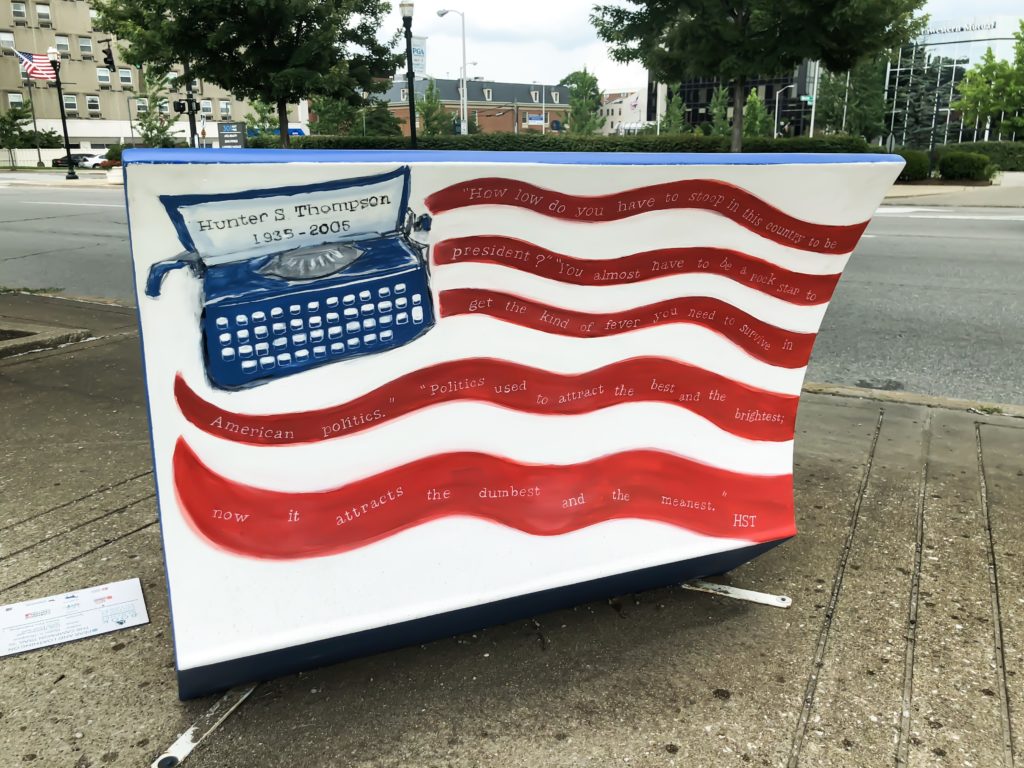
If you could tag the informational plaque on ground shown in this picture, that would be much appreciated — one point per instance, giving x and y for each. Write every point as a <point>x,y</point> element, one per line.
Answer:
<point>400,395</point>
<point>62,618</point>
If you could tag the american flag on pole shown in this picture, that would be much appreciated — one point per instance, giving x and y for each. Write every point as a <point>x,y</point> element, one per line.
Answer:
<point>36,65</point>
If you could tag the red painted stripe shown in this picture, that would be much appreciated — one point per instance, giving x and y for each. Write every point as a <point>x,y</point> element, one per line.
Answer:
<point>735,203</point>
<point>794,287</point>
<point>739,409</point>
<point>761,340</point>
<point>540,500</point>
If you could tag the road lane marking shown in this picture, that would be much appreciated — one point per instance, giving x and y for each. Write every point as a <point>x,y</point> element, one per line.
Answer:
<point>88,205</point>
<point>948,216</point>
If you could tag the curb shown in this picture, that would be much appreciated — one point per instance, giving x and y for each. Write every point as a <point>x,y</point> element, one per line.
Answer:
<point>914,398</point>
<point>38,337</point>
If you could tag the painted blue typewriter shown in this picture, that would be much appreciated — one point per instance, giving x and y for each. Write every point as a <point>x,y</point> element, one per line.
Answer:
<point>297,277</point>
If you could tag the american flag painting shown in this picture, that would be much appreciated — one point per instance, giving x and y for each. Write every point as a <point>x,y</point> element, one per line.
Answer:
<point>605,380</point>
<point>36,65</point>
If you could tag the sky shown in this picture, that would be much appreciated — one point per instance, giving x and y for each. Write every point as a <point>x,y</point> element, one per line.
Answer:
<point>544,40</point>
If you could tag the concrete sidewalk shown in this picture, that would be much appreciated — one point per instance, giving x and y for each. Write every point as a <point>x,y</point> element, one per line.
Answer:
<point>903,645</point>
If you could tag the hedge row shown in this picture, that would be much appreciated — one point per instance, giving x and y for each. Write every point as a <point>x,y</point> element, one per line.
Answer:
<point>535,142</point>
<point>971,166</point>
<point>1007,155</point>
<point>918,167</point>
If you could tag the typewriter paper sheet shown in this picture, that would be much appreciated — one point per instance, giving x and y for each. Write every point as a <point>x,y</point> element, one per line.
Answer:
<point>610,383</point>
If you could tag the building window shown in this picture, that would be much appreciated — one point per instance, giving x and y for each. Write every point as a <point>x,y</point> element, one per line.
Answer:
<point>6,41</point>
<point>18,11</point>
<point>62,43</point>
<point>206,107</point>
<point>488,94</point>
<point>85,45</point>
<point>93,15</point>
<point>225,108</point>
<point>141,106</point>
<point>103,75</point>
<point>42,13</point>
<point>163,107</point>
<point>92,103</point>
<point>405,95</point>
<point>535,95</point>
<point>126,77</point>
<point>15,100</point>
<point>70,102</point>
<point>555,96</point>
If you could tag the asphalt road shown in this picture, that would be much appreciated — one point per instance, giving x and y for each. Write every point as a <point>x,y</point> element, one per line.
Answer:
<point>932,301</point>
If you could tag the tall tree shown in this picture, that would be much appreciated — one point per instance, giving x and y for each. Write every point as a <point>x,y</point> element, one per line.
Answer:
<point>674,120</point>
<point>261,119</point>
<point>332,117</point>
<point>756,122</point>
<point>854,102</point>
<point>430,112</point>
<point>275,50</point>
<point>380,121</point>
<point>741,39</point>
<point>156,127</point>
<point>985,94</point>
<point>584,102</point>
<point>719,109</point>
<point>12,128</point>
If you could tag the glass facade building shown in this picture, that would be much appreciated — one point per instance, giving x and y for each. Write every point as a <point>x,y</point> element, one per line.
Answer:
<point>921,82</point>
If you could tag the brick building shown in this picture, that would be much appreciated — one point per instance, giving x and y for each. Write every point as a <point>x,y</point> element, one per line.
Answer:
<point>496,107</point>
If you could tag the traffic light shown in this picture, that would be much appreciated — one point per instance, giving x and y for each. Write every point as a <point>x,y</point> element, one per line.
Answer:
<point>180,106</point>
<point>108,59</point>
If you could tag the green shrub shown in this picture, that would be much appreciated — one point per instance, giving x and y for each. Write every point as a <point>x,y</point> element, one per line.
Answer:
<point>1008,155</point>
<point>536,142</point>
<point>918,167</point>
<point>969,166</point>
<point>114,152</point>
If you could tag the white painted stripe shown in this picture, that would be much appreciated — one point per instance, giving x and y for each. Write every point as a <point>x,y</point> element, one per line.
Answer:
<point>658,229</point>
<point>471,336</point>
<point>490,429</point>
<point>84,205</point>
<point>615,298</point>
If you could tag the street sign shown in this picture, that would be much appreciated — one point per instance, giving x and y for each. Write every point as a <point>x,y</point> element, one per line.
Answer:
<point>231,135</point>
<point>419,55</point>
<point>808,98</point>
<point>535,119</point>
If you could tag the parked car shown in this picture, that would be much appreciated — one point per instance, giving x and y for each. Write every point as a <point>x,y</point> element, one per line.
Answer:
<point>93,161</point>
<point>76,159</point>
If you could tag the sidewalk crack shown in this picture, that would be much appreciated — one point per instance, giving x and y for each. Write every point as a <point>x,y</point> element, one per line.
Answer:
<point>903,742</point>
<point>997,621</point>
<point>800,732</point>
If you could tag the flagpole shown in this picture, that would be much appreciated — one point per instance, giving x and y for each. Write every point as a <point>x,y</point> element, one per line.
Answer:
<point>35,128</point>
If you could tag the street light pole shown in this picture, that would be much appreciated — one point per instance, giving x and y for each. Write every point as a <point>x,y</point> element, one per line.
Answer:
<point>777,94</point>
<point>54,55</point>
<point>406,8</point>
<point>463,100</point>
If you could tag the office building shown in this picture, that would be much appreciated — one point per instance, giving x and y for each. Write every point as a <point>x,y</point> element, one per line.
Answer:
<point>921,81</point>
<point>794,89</point>
<point>101,106</point>
<point>624,112</point>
